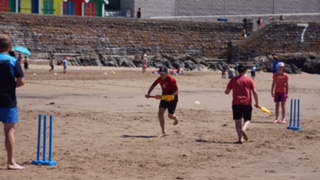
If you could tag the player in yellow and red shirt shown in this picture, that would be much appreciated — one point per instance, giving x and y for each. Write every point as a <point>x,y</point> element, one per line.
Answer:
<point>279,91</point>
<point>169,87</point>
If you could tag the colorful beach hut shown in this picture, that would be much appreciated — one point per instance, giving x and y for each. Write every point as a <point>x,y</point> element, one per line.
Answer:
<point>55,7</point>
<point>7,6</point>
<point>84,7</point>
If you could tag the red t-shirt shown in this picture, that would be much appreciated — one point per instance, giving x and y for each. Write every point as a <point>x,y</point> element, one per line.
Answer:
<point>168,85</point>
<point>281,82</point>
<point>241,87</point>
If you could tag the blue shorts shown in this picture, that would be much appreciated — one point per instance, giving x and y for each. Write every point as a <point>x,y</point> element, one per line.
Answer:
<point>9,115</point>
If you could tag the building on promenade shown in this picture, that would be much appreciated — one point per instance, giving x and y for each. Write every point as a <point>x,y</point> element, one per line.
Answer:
<point>160,8</point>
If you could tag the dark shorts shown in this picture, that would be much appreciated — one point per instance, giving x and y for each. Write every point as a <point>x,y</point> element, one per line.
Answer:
<point>242,111</point>
<point>280,97</point>
<point>253,73</point>
<point>9,115</point>
<point>171,106</point>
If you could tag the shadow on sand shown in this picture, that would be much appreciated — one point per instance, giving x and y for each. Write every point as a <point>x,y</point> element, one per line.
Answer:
<point>212,141</point>
<point>262,122</point>
<point>137,136</point>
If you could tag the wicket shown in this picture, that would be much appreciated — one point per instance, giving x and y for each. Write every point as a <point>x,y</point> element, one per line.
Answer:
<point>44,161</point>
<point>295,115</point>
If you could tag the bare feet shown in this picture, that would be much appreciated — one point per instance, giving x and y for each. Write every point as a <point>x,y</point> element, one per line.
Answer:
<point>163,134</point>
<point>15,167</point>
<point>245,137</point>
<point>176,120</point>
<point>238,142</point>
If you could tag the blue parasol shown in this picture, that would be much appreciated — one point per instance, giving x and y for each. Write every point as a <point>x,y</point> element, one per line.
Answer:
<point>22,50</point>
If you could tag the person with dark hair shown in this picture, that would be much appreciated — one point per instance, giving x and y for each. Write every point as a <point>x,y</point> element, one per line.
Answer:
<point>11,77</point>
<point>245,24</point>
<point>169,87</point>
<point>260,23</point>
<point>281,18</point>
<point>242,87</point>
<point>19,58</point>
<point>51,62</point>
<point>26,63</point>
<point>139,13</point>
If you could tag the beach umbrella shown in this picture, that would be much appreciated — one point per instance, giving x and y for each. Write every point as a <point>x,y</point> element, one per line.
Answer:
<point>22,50</point>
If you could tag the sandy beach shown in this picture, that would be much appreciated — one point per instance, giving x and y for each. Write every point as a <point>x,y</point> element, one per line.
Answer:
<point>106,129</point>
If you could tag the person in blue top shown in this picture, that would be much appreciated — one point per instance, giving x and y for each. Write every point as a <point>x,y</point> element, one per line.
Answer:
<point>275,63</point>
<point>11,77</point>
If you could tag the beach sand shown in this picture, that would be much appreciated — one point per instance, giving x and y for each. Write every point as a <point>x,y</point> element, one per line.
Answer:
<point>106,129</point>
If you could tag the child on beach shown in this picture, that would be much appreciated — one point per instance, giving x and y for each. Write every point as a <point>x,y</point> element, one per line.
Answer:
<point>169,87</point>
<point>279,91</point>
<point>242,87</point>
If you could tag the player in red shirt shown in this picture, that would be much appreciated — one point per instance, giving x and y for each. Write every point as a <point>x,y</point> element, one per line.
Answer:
<point>169,87</point>
<point>279,91</point>
<point>242,87</point>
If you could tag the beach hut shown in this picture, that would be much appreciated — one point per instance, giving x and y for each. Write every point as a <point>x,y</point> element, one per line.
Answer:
<point>7,6</point>
<point>72,7</point>
<point>94,8</point>
<point>53,7</point>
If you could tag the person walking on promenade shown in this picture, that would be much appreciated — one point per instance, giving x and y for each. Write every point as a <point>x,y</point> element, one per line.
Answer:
<point>242,87</point>
<point>139,13</point>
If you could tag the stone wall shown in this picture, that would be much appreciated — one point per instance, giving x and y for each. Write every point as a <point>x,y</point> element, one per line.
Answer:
<point>118,36</point>
<point>129,37</point>
<point>279,37</point>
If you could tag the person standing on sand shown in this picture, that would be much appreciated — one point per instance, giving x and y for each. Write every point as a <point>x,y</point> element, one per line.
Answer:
<point>51,63</point>
<point>169,87</point>
<point>279,91</point>
<point>231,72</point>
<point>65,64</point>
<point>11,77</point>
<point>253,71</point>
<point>144,59</point>
<point>26,63</point>
<point>242,87</point>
